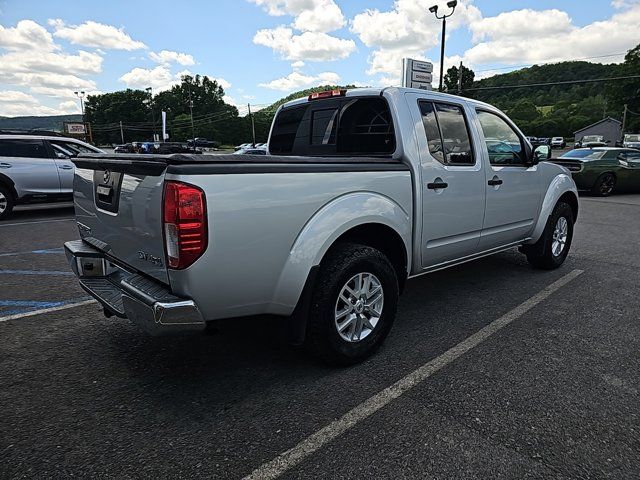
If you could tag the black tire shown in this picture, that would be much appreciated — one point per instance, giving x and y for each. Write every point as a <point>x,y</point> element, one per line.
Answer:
<point>541,254</point>
<point>605,185</point>
<point>6,202</point>
<point>340,265</point>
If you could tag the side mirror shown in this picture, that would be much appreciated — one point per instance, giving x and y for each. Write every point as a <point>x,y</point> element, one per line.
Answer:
<point>541,152</point>
<point>62,156</point>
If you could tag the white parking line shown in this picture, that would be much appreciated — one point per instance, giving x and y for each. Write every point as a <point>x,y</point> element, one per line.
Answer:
<point>37,221</point>
<point>317,440</point>
<point>46,310</point>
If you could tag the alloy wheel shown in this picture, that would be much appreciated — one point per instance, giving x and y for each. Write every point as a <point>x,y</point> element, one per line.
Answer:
<point>560,235</point>
<point>359,307</point>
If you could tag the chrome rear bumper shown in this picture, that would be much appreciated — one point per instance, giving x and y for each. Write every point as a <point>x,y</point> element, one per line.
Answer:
<point>147,303</point>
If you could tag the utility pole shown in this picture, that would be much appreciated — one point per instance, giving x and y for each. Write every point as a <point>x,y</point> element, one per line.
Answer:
<point>121,132</point>
<point>253,125</point>
<point>460,79</point>
<point>624,119</point>
<point>153,117</point>
<point>193,134</point>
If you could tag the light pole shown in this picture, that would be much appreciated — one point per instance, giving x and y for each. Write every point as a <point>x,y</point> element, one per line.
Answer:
<point>149,90</point>
<point>80,95</point>
<point>452,4</point>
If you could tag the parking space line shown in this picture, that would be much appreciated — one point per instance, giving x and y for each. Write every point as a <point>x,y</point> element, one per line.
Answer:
<point>317,440</point>
<point>45,251</point>
<point>46,310</point>
<point>37,222</point>
<point>35,272</point>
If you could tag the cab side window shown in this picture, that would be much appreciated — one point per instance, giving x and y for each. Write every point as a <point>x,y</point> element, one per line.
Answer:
<point>503,143</point>
<point>447,134</point>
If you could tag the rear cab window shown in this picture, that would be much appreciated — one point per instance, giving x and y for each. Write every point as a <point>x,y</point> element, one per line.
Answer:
<point>348,126</point>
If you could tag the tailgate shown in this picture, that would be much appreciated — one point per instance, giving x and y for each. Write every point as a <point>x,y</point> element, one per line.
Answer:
<point>118,204</point>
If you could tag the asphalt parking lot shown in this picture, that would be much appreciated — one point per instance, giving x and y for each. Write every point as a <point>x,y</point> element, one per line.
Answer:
<point>553,393</point>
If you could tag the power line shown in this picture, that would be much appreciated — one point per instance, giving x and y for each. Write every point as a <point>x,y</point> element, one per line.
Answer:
<point>564,82</point>
<point>549,62</point>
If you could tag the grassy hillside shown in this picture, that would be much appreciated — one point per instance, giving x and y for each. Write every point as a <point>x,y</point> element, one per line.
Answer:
<point>53,122</point>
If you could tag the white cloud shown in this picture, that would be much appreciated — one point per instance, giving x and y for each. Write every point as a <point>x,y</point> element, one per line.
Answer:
<point>407,30</point>
<point>309,15</point>
<point>69,106</point>
<point>167,56</point>
<point>308,46</point>
<point>14,103</point>
<point>526,36</point>
<point>297,80</point>
<point>298,64</point>
<point>159,78</point>
<point>26,35</point>
<point>94,34</point>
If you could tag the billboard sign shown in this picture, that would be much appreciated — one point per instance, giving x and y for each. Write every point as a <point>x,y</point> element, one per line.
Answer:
<point>75,128</point>
<point>417,74</point>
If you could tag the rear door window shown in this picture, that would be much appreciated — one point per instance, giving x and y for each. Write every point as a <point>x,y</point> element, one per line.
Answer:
<point>447,134</point>
<point>348,126</point>
<point>26,148</point>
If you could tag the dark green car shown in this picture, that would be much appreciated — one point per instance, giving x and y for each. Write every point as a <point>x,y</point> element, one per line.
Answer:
<point>603,170</point>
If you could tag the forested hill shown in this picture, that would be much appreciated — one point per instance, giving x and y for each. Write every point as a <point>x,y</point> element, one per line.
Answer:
<point>51,122</point>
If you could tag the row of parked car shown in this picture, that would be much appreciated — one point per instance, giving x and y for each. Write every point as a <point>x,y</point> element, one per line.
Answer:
<point>37,168</point>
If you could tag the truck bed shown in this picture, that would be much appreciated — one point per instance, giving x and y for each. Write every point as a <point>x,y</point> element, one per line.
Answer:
<point>180,163</point>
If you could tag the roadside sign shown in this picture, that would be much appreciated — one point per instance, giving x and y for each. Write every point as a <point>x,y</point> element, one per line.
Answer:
<point>417,74</point>
<point>422,66</point>
<point>421,77</point>
<point>73,128</point>
<point>423,86</point>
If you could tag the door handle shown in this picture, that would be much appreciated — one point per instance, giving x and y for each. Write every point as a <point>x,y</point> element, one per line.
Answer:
<point>5,165</point>
<point>65,167</point>
<point>437,185</point>
<point>494,182</point>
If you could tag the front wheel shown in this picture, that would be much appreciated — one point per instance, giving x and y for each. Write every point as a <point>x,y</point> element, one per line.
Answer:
<point>353,304</point>
<point>551,250</point>
<point>6,202</point>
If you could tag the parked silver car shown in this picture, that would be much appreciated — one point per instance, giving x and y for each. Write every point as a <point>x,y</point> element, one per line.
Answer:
<point>362,190</point>
<point>37,168</point>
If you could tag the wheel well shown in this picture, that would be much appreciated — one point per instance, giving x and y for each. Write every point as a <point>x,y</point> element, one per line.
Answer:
<point>6,182</point>
<point>383,238</point>
<point>572,200</point>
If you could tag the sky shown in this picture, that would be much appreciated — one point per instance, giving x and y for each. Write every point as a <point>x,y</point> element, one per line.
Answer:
<point>262,50</point>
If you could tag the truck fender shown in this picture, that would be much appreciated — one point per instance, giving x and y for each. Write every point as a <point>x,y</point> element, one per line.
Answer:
<point>325,227</point>
<point>560,185</point>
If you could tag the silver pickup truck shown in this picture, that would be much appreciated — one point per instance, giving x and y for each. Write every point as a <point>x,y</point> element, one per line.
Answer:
<point>362,190</point>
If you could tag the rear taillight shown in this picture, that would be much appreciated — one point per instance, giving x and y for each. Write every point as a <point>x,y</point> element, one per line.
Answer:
<point>185,224</point>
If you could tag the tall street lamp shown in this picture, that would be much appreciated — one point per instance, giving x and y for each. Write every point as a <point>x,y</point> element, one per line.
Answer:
<point>80,95</point>
<point>149,90</point>
<point>452,4</point>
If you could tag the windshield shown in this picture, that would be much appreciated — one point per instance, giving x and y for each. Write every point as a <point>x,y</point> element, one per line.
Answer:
<point>632,138</point>
<point>592,138</point>
<point>557,139</point>
<point>585,153</point>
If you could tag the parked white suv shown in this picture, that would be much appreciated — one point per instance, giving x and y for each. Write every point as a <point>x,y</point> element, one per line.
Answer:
<point>37,168</point>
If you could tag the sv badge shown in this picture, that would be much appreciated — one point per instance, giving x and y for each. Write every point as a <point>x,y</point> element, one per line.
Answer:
<point>147,257</point>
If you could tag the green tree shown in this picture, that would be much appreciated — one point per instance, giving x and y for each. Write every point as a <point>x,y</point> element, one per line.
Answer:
<point>452,76</point>
<point>105,112</point>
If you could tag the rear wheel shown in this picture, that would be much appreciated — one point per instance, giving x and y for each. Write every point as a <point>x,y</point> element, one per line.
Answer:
<point>6,202</point>
<point>551,250</point>
<point>353,304</point>
<point>605,185</point>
